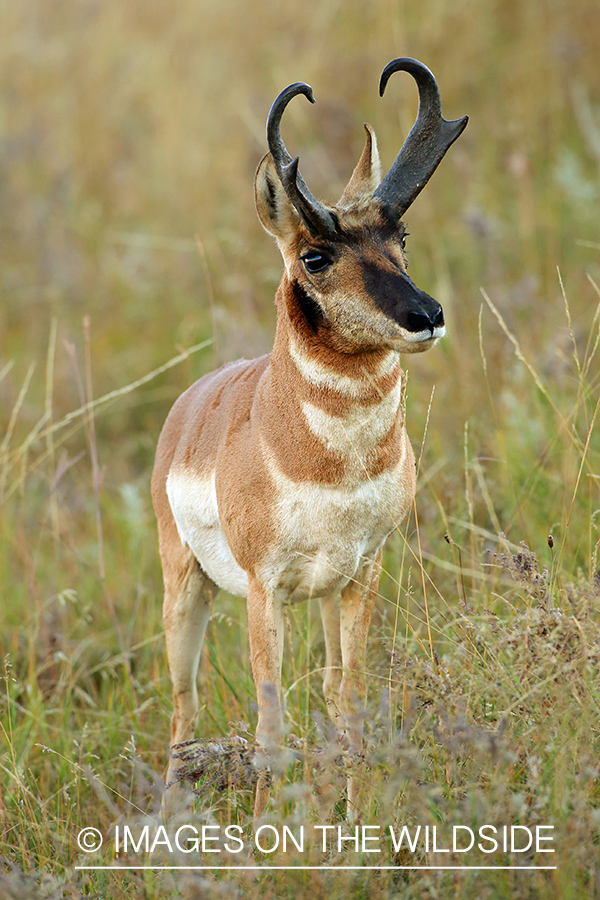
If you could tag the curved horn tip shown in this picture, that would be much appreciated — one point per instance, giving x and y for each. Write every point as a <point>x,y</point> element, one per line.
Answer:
<point>308,93</point>
<point>300,87</point>
<point>402,64</point>
<point>288,94</point>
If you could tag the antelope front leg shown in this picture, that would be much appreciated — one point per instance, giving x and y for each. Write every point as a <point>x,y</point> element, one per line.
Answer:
<point>265,633</point>
<point>356,608</point>
<point>332,679</point>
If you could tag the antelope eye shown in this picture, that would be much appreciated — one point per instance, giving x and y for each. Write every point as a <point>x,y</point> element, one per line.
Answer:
<point>403,239</point>
<point>315,262</point>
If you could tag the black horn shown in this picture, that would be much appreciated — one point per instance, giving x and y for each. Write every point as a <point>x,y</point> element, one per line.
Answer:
<point>316,218</point>
<point>428,141</point>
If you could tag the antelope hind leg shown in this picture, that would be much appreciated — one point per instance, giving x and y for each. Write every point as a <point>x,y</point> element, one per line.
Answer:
<point>186,611</point>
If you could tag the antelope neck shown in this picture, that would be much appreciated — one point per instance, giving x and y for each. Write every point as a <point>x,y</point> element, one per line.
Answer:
<point>351,406</point>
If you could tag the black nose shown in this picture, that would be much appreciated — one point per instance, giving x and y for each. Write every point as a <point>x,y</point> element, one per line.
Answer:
<point>438,319</point>
<point>425,321</point>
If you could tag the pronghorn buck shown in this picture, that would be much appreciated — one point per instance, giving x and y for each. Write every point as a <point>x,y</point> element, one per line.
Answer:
<point>280,478</point>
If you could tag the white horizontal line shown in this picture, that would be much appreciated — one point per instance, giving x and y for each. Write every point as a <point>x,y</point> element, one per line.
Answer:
<point>314,868</point>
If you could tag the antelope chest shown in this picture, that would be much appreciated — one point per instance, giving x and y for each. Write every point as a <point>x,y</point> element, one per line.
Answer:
<point>320,534</point>
<point>325,534</point>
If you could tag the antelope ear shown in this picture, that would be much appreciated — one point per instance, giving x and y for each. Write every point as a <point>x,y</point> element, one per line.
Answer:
<point>367,174</point>
<point>273,206</point>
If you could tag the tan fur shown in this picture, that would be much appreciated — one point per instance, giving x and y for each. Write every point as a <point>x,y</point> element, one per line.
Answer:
<point>280,478</point>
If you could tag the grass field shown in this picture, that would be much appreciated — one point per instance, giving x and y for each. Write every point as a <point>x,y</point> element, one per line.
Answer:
<point>132,263</point>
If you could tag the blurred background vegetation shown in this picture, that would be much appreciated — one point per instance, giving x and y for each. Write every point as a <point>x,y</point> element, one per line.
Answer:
<point>129,137</point>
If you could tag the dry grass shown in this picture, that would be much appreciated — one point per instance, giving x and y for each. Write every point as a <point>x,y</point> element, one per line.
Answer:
<point>128,130</point>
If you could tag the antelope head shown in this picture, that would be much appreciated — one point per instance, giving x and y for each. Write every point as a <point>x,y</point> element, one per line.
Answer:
<point>345,265</point>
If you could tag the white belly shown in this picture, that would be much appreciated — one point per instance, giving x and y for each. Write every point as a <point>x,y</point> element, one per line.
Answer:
<point>194,504</point>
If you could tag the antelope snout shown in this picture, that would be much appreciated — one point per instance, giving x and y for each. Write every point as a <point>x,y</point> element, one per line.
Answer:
<point>420,317</point>
<point>422,320</point>
<point>429,319</point>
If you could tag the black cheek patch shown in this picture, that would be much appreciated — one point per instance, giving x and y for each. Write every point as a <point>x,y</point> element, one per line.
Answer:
<point>392,292</point>
<point>310,309</point>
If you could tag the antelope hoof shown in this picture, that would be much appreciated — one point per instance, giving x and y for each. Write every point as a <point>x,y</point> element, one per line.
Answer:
<point>261,797</point>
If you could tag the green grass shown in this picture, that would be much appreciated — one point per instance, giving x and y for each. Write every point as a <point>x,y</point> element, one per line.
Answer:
<point>128,129</point>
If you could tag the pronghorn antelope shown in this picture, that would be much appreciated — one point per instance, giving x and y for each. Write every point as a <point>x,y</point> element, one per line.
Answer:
<point>280,478</point>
